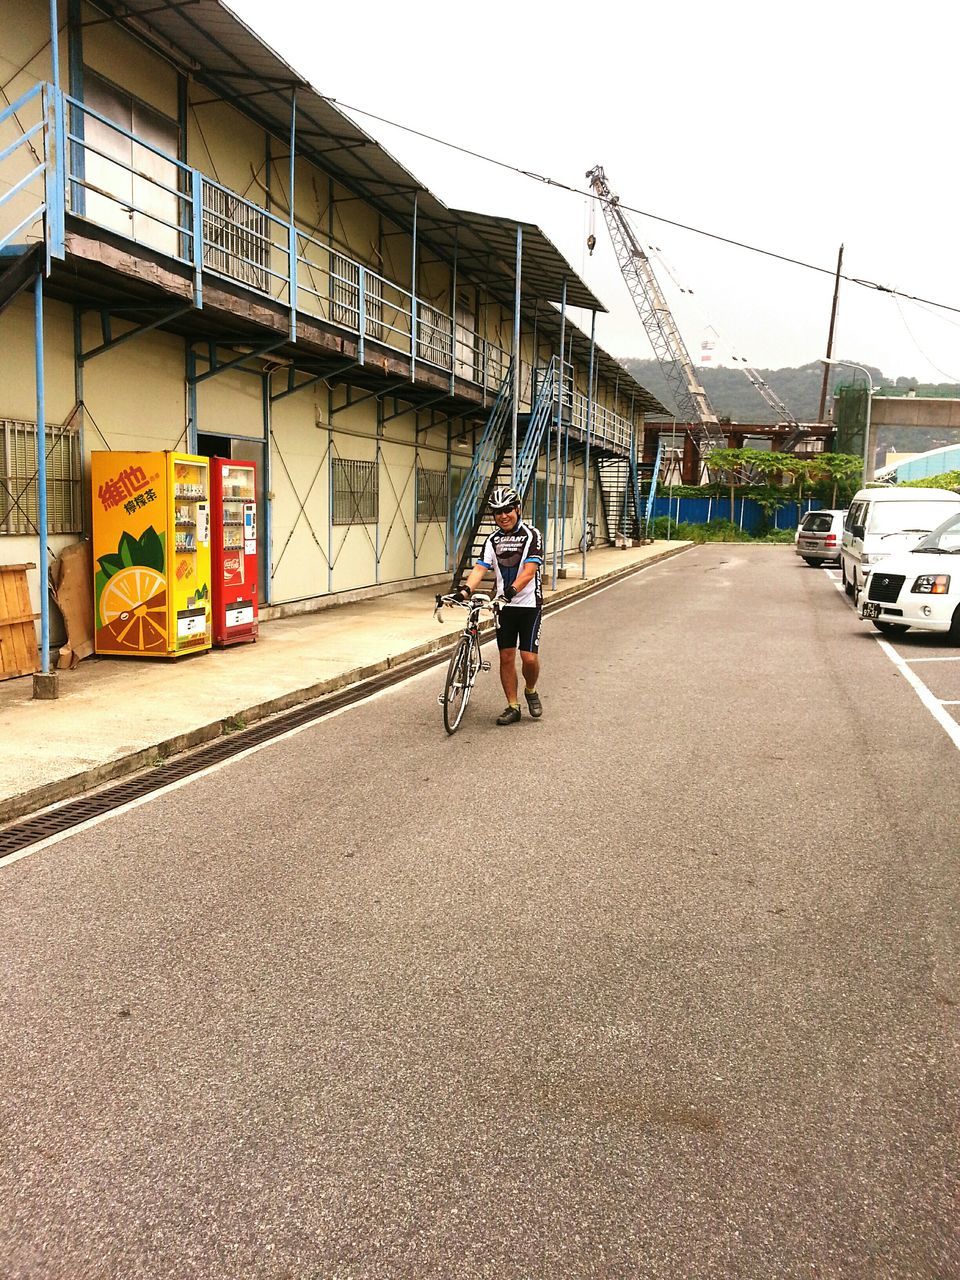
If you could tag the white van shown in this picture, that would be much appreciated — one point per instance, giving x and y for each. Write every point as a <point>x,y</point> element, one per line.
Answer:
<point>884,520</point>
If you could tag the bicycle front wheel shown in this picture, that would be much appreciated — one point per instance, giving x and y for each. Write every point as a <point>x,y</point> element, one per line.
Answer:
<point>456,693</point>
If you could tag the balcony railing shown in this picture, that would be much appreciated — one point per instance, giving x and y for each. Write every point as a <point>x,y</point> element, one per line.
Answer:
<point>58,154</point>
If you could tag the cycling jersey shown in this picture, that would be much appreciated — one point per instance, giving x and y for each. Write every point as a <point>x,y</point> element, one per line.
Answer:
<point>505,552</point>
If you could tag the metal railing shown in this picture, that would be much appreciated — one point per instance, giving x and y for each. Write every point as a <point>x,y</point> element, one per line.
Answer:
<point>104,173</point>
<point>100,171</point>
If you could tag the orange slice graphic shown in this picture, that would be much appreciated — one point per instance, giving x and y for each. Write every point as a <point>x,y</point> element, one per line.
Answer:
<point>133,608</point>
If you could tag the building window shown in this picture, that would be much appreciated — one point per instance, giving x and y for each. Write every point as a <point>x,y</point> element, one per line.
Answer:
<point>356,492</point>
<point>18,478</point>
<point>431,496</point>
<point>125,186</point>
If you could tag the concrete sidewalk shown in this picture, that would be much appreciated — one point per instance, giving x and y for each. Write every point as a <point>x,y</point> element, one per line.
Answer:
<point>117,715</point>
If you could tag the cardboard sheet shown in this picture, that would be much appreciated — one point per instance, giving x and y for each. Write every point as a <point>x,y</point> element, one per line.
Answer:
<point>72,577</point>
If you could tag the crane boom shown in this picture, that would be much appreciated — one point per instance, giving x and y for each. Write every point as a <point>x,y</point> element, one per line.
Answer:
<point>797,432</point>
<point>668,345</point>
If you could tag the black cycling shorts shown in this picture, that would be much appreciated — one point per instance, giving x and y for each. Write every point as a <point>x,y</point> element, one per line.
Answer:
<point>519,628</point>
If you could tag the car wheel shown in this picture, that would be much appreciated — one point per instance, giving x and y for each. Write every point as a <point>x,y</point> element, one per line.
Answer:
<point>847,584</point>
<point>855,593</point>
<point>891,628</point>
<point>810,561</point>
<point>953,635</point>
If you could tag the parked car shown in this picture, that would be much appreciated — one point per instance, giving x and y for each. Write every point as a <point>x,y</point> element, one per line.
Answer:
<point>818,537</point>
<point>918,588</point>
<point>885,521</point>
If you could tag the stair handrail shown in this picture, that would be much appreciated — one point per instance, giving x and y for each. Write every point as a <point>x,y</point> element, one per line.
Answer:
<point>652,491</point>
<point>540,415</point>
<point>37,91</point>
<point>467,507</point>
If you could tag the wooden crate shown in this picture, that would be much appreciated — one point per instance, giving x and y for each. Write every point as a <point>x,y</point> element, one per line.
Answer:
<point>18,636</point>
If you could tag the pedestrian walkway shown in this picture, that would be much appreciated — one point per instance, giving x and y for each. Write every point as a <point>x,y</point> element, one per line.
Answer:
<point>117,715</point>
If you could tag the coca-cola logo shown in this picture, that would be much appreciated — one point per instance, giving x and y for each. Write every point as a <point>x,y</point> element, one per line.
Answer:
<point>231,564</point>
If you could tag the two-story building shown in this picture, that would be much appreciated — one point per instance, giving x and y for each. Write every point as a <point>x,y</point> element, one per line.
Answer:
<point>200,252</point>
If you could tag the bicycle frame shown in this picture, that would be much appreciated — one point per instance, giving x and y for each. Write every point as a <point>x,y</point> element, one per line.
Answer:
<point>466,662</point>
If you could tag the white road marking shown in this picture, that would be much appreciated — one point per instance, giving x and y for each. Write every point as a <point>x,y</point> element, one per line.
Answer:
<point>281,737</point>
<point>933,704</point>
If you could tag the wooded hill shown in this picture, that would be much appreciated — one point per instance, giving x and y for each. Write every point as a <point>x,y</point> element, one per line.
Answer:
<point>732,395</point>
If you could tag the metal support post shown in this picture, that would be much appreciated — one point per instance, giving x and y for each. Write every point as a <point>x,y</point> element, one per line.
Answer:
<point>46,685</point>
<point>560,372</point>
<point>453,317</point>
<point>191,400</point>
<point>267,403</point>
<point>293,222</point>
<point>413,293</point>
<point>586,464</point>
<point>516,355</point>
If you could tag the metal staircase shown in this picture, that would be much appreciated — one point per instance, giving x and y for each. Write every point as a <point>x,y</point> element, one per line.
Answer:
<point>628,488</point>
<point>493,464</point>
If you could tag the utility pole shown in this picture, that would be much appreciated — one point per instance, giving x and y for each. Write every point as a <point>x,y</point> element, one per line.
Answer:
<point>833,321</point>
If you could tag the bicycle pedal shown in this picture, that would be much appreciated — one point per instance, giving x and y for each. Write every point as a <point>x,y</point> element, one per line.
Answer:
<point>484,666</point>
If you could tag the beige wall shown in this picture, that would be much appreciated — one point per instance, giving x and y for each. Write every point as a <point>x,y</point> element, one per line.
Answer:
<point>299,476</point>
<point>124,61</point>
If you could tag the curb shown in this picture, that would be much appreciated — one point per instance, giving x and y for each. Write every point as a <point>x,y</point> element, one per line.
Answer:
<point>54,793</point>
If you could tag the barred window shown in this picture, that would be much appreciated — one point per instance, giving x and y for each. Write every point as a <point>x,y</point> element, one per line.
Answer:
<point>18,478</point>
<point>431,496</point>
<point>345,293</point>
<point>434,336</point>
<point>236,239</point>
<point>356,492</point>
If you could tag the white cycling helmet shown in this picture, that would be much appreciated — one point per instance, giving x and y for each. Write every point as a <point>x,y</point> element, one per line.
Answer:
<point>503,498</point>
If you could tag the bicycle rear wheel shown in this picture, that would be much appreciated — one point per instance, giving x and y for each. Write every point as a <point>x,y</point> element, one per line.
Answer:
<point>456,692</point>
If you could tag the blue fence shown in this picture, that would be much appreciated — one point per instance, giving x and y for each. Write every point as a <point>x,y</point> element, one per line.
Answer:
<point>747,514</point>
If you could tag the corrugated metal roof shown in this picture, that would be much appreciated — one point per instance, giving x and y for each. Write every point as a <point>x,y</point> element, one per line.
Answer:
<point>233,61</point>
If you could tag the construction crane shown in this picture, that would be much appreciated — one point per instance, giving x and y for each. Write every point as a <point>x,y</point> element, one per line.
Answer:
<point>796,432</point>
<point>668,346</point>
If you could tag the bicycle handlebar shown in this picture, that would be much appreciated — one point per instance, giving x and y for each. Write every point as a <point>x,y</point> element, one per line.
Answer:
<point>479,600</point>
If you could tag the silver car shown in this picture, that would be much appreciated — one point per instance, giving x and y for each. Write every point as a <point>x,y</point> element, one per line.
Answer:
<point>818,538</point>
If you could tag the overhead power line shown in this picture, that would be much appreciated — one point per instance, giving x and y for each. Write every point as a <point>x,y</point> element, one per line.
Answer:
<point>643,213</point>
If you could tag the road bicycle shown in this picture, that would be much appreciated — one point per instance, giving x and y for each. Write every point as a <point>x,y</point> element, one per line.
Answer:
<point>466,662</point>
<point>589,536</point>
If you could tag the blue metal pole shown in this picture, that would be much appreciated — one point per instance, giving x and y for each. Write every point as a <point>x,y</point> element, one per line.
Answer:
<point>41,476</point>
<point>586,464</point>
<point>516,353</point>
<point>55,46</point>
<point>191,400</point>
<point>293,225</point>
<point>560,368</point>
<point>267,487</point>
<point>413,294</point>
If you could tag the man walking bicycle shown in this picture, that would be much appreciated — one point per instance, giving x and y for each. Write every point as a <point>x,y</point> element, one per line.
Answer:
<point>514,551</point>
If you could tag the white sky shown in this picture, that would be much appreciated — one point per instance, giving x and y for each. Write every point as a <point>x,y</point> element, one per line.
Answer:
<point>793,128</point>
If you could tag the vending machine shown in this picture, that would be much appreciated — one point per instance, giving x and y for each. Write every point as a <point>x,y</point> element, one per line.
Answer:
<point>234,551</point>
<point>151,550</point>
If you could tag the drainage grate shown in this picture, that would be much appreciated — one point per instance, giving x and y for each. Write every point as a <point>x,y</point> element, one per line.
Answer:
<point>20,835</point>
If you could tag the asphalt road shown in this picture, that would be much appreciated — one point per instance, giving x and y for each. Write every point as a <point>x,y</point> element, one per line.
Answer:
<point>664,985</point>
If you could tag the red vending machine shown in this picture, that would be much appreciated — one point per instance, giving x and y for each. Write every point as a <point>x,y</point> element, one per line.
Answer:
<point>233,512</point>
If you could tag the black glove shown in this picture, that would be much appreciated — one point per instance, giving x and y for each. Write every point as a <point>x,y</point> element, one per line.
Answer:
<point>461,593</point>
<point>509,592</point>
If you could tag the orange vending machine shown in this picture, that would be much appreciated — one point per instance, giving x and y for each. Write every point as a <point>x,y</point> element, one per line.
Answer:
<point>151,550</point>
<point>234,545</point>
